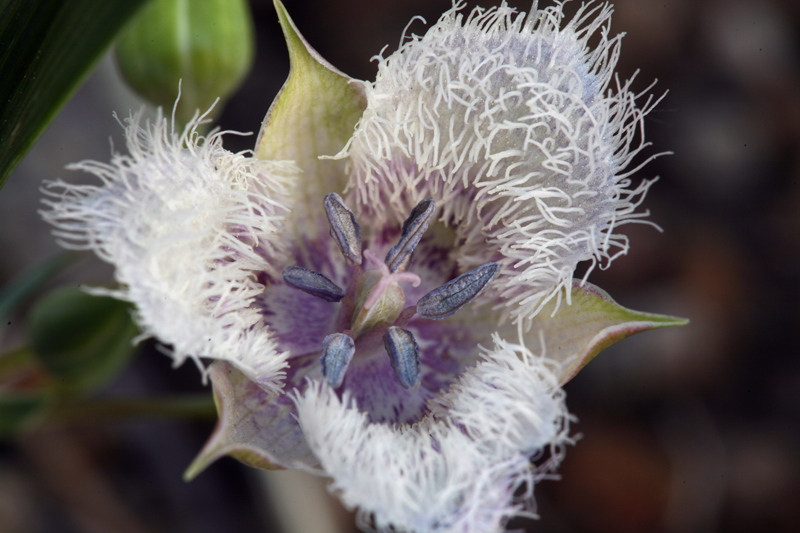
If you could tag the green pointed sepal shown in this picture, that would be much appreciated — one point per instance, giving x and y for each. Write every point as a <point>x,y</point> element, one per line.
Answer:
<point>255,426</point>
<point>314,115</point>
<point>577,332</point>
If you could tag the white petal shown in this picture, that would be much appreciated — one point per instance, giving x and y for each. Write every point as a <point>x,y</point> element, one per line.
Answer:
<point>187,225</point>
<point>510,402</point>
<point>444,474</point>
<point>511,126</point>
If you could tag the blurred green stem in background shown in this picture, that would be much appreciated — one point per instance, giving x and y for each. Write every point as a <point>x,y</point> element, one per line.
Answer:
<point>187,406</point>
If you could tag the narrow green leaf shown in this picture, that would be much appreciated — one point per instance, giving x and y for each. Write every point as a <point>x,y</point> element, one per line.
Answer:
<point>576,333</point>
<point>47,47</point>
<point>83,340</point>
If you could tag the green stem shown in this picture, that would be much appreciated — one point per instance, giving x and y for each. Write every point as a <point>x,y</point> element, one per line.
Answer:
<point>190,406</point>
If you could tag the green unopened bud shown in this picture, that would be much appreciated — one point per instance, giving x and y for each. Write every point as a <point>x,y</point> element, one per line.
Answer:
<point>83,340</point>
<point>208,44</point>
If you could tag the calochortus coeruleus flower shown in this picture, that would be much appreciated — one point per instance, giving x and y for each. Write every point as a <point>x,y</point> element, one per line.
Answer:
<point>385,283</point>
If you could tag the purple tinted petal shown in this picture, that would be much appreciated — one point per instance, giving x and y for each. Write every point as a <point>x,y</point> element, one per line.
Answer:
<point>377,391</point>
<point>298,321</point>
<point>446,348</point>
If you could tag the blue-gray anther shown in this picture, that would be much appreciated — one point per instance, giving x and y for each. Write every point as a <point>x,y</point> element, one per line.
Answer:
<point>337,352</point>
<point>413,229</point>
<point>453,295</point>
<point>313,283</point>
<point>404,356</point>
<point>344,228</point>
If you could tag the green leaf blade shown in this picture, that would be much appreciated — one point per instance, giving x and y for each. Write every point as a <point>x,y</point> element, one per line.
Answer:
<point>25,395</point>
<point>47,48</point>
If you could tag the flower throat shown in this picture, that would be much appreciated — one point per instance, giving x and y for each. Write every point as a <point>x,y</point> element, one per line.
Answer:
<point>373,306</point>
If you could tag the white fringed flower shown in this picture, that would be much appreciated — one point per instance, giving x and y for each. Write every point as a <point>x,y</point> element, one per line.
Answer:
<point>498,141</point>
<point>188,226</point>
<point>509,123</point>
<point>456,470</point>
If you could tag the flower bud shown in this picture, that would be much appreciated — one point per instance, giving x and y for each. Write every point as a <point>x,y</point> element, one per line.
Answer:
<point>82,340</point>
<point>208,44</point>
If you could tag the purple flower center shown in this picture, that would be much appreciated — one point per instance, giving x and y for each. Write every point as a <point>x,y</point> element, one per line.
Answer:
<point>373,306</point>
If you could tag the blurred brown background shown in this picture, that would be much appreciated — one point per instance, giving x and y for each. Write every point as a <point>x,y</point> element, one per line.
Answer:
<point>693,429</point>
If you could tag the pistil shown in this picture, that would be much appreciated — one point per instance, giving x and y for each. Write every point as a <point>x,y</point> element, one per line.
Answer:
<point>386,278</point>
<point>379,297</point>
